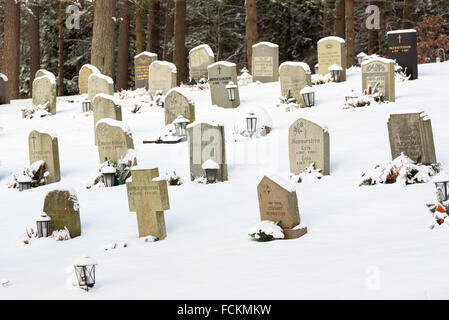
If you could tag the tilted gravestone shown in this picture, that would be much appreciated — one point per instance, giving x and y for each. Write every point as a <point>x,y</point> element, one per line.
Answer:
<point>142,64</point>
<point>207,141</point>
<point>379,72</point>
<point>162,77</point>
<point>43,145</point>
<point>44,92</point>
<point>148,197</point>
<point>265,62</point>
<point>278,202</point>
<point>294,76</point>
<point>402,47</point>
<point>62,206</point>
<point>114,139</point>
<point>178,103</point>
<point>4,97</point>
<point>411,133</point>
<point>106,106</point>
<point>83,77</point>
<point>99,83</point>
<point>220,74</point>
<point>200,58</point>
<point>308,143</point>
<point>331,50</point>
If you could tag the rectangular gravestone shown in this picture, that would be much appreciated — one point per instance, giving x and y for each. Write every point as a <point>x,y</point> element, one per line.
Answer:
<point>114,139</point>
<point>200,58</point>
<point>106,106</point>
<point>265,62</point>
<point>402,47</point>
<point>411,133</point>
<point>308,143</point>
<point>380,72</point>
<point>44,92</point>
<point>331,50</point>
<point>178,103</point>
<point>220,74</point>
<point>4,98</point>
<point>163,77</point>
<point>142,64</point>
<point>278,202</point>
<point>83,77</point>
<point>43,145</point>
<point>207,141</point>
<point>294,76</point>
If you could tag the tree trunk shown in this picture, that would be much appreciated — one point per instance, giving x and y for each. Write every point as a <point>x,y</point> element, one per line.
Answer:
<point>35,50</point>
<point>180,54</point>
<point>140,34</point>
<point>340,21</point>
<point>409,8</point>
<point>219,34</point>
<point>103,38</point>
<point>153,27</point>
<point>328,17</point>
<point>123,47</point>
<point>349,9</point>
<point>169,30</point>
<point>2,34</point>
<point>11,49</point>
<point>252,34</point>
<point>61,47</point>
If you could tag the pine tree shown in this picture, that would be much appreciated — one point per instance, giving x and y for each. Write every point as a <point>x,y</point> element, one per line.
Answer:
<point>123,46</point>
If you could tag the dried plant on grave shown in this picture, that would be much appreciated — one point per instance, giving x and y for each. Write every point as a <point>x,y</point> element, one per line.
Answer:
<point>39,111</point>
<point>36,172</point>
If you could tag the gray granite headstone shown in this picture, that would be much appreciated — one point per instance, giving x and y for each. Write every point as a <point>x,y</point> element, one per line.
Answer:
<point>220,74</point>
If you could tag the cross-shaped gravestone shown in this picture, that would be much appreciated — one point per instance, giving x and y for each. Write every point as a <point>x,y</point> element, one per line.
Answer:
<point>148,197</point>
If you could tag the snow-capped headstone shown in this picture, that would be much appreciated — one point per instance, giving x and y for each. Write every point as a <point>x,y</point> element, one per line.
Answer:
<point>4,99</point>
<point>265,62</point>
<point>83,77</point>
<point>162,77</point>
<point>411,133</point>
<point>294,76</point>
<point>308,143</point>
<point>44,92</point>
<point>114,139</point>
<point>62,206</point>
<point>200,58</point>
<point>220,74</point>
<point>278,202</point>
<point>43,145</point>
<point>380,72</point>
<point>43,72</point>
<point>402,47</point>
<point>99,83</point>
<point>207,141</point>
<point>332,50</point>
<point>142,64</point>
<point>148,197</point>
<point>176,104</point>
<point>106,106</point>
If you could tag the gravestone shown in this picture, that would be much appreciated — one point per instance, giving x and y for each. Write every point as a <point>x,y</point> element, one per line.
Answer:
<point>99,83</point>
<point>200,58</point>
<point>142,64</point>
<point>207,141</point>
<point>332,50</point>
<point>411,133</point>
<point>44,91</point>
<point>178,103</point>
<point>308,143</point>
<point>4,97</point>
<point>43,145</point>
<point>114,139</point>
<point>62,207</point>
<point>278,202</point>
<point>83,77</point>
<point>162,77</point>
<point>402,47</point>
<point>148,197</point>
<point>265,62</point>
<point>379,71</point>
<point>106,106</point>
<point>294,76</point>
<point>220,74</point>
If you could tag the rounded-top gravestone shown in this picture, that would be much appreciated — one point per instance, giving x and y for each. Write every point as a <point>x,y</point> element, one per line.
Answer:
<point>83,77</point>
<point>294,76</point>
<point>162,77</point>
<point>200,58</point>
<point>332,50</point>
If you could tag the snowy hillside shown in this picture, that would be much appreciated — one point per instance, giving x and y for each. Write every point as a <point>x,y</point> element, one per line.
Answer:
<point>362,242</point>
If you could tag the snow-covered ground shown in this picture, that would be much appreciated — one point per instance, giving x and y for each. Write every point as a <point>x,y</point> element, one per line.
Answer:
<point>363,242</point>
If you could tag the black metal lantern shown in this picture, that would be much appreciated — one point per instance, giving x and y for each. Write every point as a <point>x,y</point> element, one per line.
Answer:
<point>211,168</point>
<point>336,72</point>
<point>251,123</point>
<point>108,172</point>
<point>441,182</point>
<point>24,182</point>
<point>85,272</point>
<point>308,95</point>
<point>43,225</point>
<point>87,105</point>
<point>361,57</point>
<point>231,89</point>
<point>317,68</point>
<point>181,126</point>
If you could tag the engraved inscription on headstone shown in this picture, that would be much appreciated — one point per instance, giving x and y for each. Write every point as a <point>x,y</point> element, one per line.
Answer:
<point>220,74</point>
<point>265,62</point>
<point>332,50</point>
<point>402,47</point>
<point>379,72</point>
<point>142,64</point>
<point>44,146</point>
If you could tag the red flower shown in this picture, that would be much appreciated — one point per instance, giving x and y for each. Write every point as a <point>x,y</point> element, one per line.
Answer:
<point>441,209</point>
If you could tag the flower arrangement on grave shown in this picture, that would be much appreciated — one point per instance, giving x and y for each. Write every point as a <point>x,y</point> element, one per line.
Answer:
<point>310,173</point>
<point>267,231</point>
<point>158,98</point>
<point>32,111</point>
<point>289,103</point>
<point>202,84</point>
<point>35,172</point>
<point>318,79</point>
<point>402,170</point>
<point>57,235</point>
<point>440,210</point>
<point>370,96</point>
<point>173,179</point>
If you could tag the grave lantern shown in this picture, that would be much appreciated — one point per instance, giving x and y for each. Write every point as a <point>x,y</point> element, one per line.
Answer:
<point>85,272</point>
<point>43,225</point>
<point>441,181</point>
<point>87,105</point>
<point>351,95</point>
<point>251,123</point>
<point>336,72</point>
<point>24,182</point>
<point>181,126</point>
<point>231,89</point>
<point>245,77</point>
<point>361,57</point>
<point>308,95</point>
<point>108,172</point>
<point>211,168</point>
<point>317,68</point>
